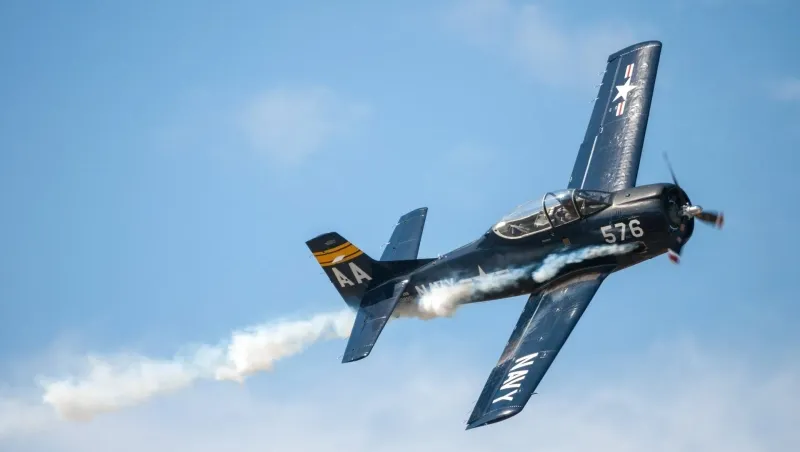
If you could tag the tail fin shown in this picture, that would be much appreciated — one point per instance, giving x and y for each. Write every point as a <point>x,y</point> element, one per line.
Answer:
<point>360,281</point>
<point>351,271</point>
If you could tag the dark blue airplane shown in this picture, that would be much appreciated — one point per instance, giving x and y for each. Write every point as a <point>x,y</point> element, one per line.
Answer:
<point>601,207</point>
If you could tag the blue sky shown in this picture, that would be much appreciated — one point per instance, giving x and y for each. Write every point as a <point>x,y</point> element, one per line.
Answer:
<point>163,164</point>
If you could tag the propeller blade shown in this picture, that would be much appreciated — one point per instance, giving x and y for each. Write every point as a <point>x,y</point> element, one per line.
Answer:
<point>683,199</point>
<point>674,256</point>
<point>674,251</point>
<point>709,217</point>
<point>712,218</point>
<point>669,166</point>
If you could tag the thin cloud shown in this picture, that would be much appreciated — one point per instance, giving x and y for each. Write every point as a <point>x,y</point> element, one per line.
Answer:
<point>787,89</point>
<point>677,396</point>
<point>553,51</point>
<point>291,124</point>
<point>693,5</point>
<point>20,416</point>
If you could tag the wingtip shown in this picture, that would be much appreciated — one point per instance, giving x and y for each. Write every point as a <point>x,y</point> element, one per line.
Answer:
<point>632,47</point>
<point>356,354</point>
<point>493,417</point>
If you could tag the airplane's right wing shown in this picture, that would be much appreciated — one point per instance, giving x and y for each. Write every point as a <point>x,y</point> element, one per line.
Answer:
<point>544,325</point>
<point>609,156</point>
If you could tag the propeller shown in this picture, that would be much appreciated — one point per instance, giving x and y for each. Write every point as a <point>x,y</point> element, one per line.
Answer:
<point>714,218</point>
<point>687,210</point>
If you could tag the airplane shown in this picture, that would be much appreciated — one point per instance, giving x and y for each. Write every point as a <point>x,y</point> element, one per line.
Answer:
<point>601,206</point>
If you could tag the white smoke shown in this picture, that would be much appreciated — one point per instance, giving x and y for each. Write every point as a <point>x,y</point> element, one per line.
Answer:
<point>439,302</point>
<point>553,263</point>
<point>124,380</point>
<point>257,349</point>
<point>113,383</point>
<point>444,301</point>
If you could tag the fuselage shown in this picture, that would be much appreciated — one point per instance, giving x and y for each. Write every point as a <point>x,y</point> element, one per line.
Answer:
<point>645,217</point>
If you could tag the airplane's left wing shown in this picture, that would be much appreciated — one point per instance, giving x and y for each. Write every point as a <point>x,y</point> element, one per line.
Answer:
<point>544,326</point>
<point>609,156</point>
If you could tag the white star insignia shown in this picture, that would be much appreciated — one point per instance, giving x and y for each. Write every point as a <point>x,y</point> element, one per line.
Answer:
<point>623,90</point>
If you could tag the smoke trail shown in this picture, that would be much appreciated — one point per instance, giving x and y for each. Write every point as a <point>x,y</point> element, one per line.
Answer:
<point>444,301</point>
<point>439,302</point>
<point>553,263</point>
<point>124,380</point>
<point>258,348</point>
<point>121,381</point>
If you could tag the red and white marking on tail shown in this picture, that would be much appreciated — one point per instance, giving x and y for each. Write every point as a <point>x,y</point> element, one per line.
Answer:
<point>629,70</point>
<point>620,108</point>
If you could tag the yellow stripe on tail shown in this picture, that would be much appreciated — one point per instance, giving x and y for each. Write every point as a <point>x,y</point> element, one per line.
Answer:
<point>338,254</point>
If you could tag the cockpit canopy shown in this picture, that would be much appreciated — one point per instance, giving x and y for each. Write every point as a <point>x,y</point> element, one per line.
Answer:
<point>553,210</point>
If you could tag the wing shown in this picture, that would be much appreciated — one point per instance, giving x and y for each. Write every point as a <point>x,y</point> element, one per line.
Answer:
<point>609,156</point>
<point>544,326</point>
<point>404,243</point>
<point>373,313</point>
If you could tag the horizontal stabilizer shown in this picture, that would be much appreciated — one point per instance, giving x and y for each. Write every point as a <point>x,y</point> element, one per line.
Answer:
<point>407,235</point>
<point>373,313</point>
